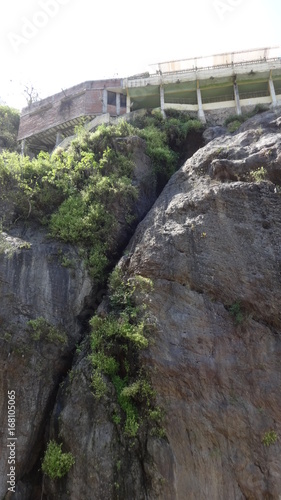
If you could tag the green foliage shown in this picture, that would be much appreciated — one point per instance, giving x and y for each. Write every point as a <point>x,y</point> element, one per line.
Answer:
<point>165,140</point>
<point>269,438</point>
<point>235,311</point>
<point>40,329</point>
<point>56,464</point>
<point>129,408</point>
<point>233,126</point>
<point>234,118</point>
<point>233,122</point>
<point>116,341</point>
<point>259,174</point>
<point>259,108</point>
<point>9,124</point>
<point>76,192</point>
<point>164,160</point>
<point>5,246</point>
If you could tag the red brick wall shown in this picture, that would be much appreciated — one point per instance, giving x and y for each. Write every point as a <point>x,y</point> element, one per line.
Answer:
<point>84,99</point>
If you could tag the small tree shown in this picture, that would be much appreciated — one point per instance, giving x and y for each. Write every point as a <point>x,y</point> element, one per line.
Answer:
<point>56,464</point>
<point>31,94</point>
<point>9,125</point>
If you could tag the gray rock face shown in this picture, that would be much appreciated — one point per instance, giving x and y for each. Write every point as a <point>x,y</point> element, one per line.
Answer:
<point>211,244</point>
<point>42,278</point>
<point>213,240</point>
<point>85,426</point>
<point>34,284</point>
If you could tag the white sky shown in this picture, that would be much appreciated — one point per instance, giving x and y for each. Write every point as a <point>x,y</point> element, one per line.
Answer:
<point>55,44</point>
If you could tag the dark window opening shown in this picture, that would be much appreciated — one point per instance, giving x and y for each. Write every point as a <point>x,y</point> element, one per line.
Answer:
<point>111,98</point>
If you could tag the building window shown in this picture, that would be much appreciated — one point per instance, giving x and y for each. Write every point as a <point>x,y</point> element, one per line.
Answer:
<point>111,98</point>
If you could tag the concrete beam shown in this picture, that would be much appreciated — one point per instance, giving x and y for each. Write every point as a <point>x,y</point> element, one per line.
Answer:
<point>272,92</point>
<point>23,146</point>
<point>201,114</point>
<point>128,102</point>
<point>117,104</point>
<point>162,100</point>
<point>59,138</point>
<point>237,99</point>
<point>104,100</point>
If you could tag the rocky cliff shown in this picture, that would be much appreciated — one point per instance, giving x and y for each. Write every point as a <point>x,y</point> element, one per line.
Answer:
<point>211,246</point>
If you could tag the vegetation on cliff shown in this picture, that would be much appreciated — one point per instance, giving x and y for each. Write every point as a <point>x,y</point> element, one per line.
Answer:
<point>78,193</point>
<point>116,342</point>
<point>9,124</point>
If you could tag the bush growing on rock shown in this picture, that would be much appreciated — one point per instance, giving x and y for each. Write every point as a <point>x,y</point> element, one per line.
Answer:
<point>56,464</point>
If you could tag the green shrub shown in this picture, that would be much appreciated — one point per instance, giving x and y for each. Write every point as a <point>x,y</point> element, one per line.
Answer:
<point>233,126</point>
<point>234,118</point>
<point>75,193</point>
<point>236,312</point>
<point>165,139</point>
<point>40,329</point>
<point>259,174</point>
<point>56,464</point>
<point>116,341</point>
<point>269,438</point>
<point>9,124</point>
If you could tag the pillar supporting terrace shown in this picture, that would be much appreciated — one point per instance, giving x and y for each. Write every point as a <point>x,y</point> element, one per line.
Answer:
<point>128,102</point>
<point>237,99</point>
<point>272,91</point>
<point>201,114</point>
<point>23,146</point>
<point>104,101</point>
<point>162,100</point>
<point>117,104</point>
<point>59,138</point>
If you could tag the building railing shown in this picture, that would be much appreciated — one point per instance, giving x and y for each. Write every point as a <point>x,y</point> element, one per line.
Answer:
<point>249,95</point>
<point>173,100</point>
<point>216,66</point>
<point>221,98</point>
<point>218,60</point>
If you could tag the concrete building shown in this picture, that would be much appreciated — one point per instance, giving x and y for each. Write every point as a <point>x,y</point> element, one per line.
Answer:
<point>45,123</point>
<point>210,87</point>
<point>232,82</point>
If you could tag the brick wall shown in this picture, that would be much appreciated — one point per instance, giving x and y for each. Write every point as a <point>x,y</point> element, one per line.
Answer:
<point>85,99</point>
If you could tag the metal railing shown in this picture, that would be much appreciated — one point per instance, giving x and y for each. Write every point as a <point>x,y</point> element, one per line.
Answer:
<point>187,100</point>
<point>220,98</point>
<point>250,95</point>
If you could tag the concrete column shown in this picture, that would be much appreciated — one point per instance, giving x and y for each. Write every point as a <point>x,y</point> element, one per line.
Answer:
<point>162,100</point>
<point>128,103</point>
<point>237,99</point>
<point>118,104</point>
<point>59,138</point>
<point>23,146</point>
<point>201,114</point>
<point>272,92</point>
<point>104,101</point>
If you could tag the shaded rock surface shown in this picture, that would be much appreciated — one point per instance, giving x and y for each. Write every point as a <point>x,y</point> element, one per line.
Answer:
<point>34,284</point>
<point>41,278</point>
<point>211,241</point>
